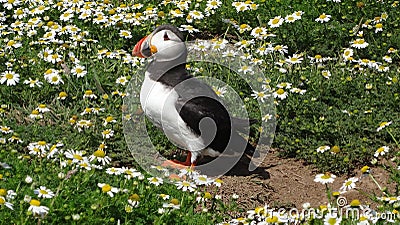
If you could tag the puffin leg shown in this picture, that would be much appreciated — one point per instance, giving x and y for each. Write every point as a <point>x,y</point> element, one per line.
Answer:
<point>178,164</point>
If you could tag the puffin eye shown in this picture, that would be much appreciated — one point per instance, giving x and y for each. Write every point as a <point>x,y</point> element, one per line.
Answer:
<point>166,38</point>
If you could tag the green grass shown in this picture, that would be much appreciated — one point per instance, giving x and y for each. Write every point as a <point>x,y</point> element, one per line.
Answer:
<point>344,110</point>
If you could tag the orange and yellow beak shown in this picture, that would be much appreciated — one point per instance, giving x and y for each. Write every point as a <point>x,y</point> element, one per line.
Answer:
<point>143,48</point>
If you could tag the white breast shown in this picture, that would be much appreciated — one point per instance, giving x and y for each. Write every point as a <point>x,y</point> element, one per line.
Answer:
<point>158,103</point>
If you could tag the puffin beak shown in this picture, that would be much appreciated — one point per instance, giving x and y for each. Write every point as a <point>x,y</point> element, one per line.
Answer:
<point>143,48</point>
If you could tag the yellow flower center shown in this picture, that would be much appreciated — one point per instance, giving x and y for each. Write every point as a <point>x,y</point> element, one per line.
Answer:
<point>9,76</point>
<point>335,149</point>
<point>43,192</point>
<point>62,94</point>
<point>88,92</point>
<point>365,169</point>
<point>78,157</point>
<point>323,16</point>
<point>207,195</point>
<point>327,175</point>
<point>355,203</point>
<point>41,143</point>
<point>106,188</point>
<point>34,202</point>
<point>331,221</point>
<point>348,183</point>
<point>272,219</point>
<point>99,153</point>
<point>134,197</point>
<point>383,124</point>
<point>243,26</point>
<point>379,25</point>
<point>275,21</point>
<point>54,79</point>
<point>280,91</point>
<point>35,112</point>
<point>3,192</point>
<point>381,149</point>
<point>175,201</point>
<point>2,201</point>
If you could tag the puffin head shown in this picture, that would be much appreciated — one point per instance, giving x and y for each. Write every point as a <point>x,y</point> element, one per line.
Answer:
<point>165,43</point>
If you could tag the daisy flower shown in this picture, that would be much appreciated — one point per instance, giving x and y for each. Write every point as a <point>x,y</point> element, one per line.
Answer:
<point>188,28</point>
<point>54,79</point>
<point>326,74</point>
<point>213,4</point>
<point>67,15</point>
<point>155,180</point>
<point>35,114</point>
<point>275,22</point>
<point>5,203</point>
<point>240,6</point>
<point>134,200</point>
<point>348,52</point>
<point>37,209</point>
<point>383,125</point>
<point>266,117</point>
<point>108,189</point>
<point>11,78</point>
<point>387,59</point>
<point>100,156</point>
<point>246,69</point>
<point>325,178</point>
<point>33,83</point>
<point>349,184</point>
<point>173,204</point>
<point>75,155</point>
<point>332,219</point>
<point>244,27</point>
<point>220,91</point>
<point>13,44</point>
<point>260,95</point>
<point>6,130</point>
<point>381,151</point>
<point>359,43</point>
<point>290,18</point>
<point>322,149</point>
<point>42,108</point>
<point>108,120</point>
<point>295,59</point>
<point>202,180</point>
<point>62,95</point>
<point>108,133</point>
<point>43,192</point>
<point>280,93</point>
<point>125,34</point>
<point>185,186</point>
<point>79,71</point>
<point>121,80</point>
<point>113,171</point>
<point>378,27</point>
<point>323,18</point>
<point>89,94</point>
<point>197,15</point>
<point>281,49</point>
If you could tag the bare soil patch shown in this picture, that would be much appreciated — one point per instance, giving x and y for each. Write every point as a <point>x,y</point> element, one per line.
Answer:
<point>287,182</point>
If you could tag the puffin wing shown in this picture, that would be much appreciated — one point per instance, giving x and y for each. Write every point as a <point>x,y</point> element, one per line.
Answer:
<point>201,109</point>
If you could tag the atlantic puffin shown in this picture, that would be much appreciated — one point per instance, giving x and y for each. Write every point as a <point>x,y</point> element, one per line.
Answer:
<point>188,110</point>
